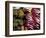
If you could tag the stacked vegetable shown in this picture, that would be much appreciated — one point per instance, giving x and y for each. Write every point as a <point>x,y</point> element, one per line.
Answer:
<point>18,18</point>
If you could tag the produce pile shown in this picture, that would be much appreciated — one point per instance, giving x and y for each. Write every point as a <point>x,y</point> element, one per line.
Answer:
<point>26,19</point>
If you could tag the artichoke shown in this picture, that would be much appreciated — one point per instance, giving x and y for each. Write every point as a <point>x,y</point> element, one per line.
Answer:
<point>20,13</point>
